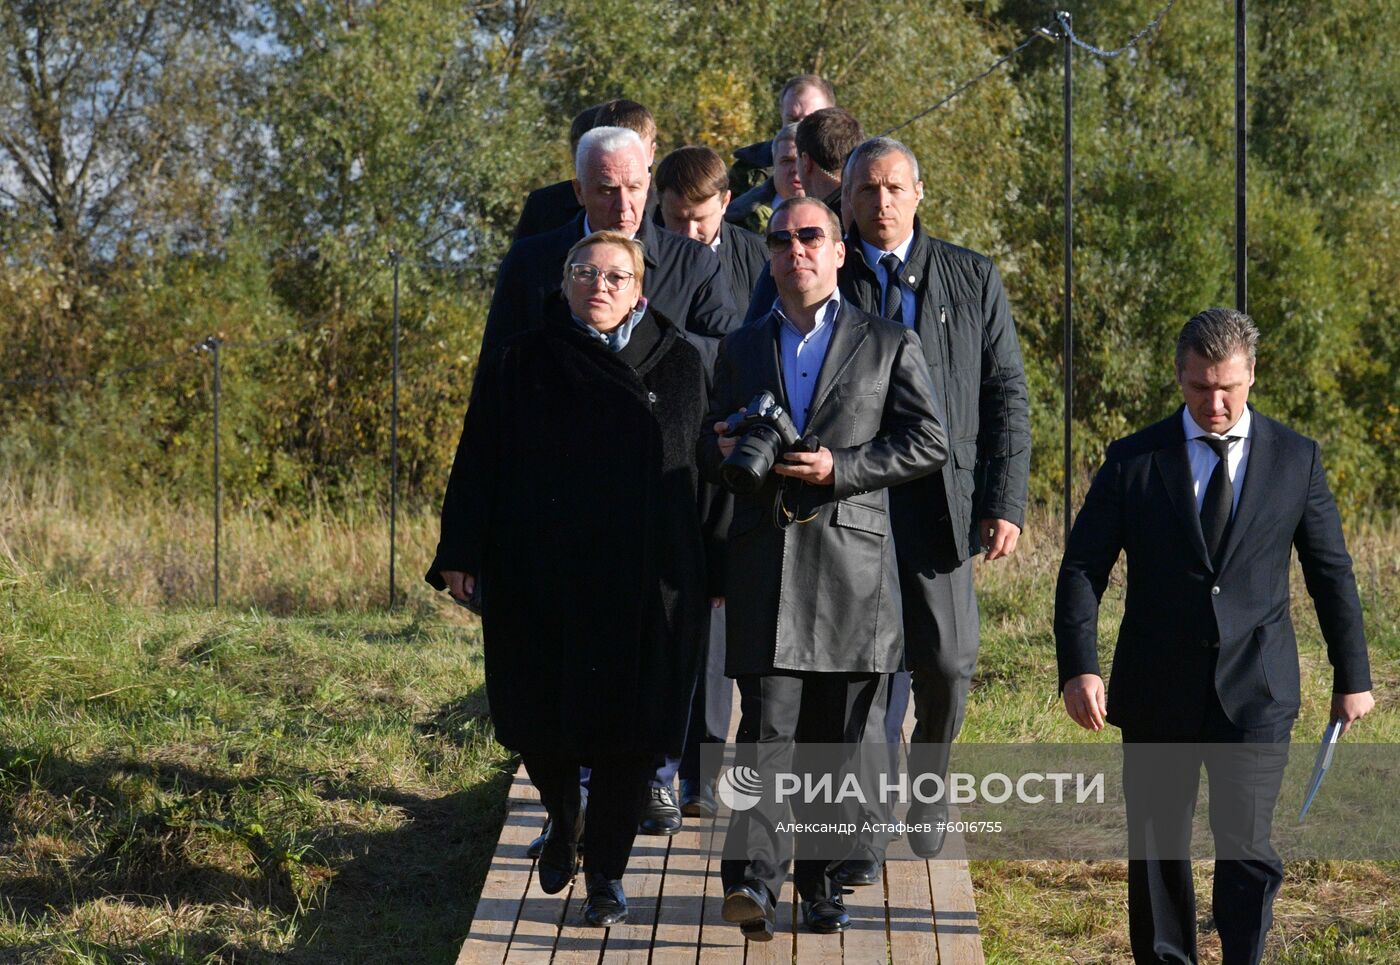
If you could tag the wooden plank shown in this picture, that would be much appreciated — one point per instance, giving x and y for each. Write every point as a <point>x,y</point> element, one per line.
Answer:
<point>579,944</point>
<point>681,911</point>
<point>507,880</point>
<point>537,928</point>
<point>912,939</point>
<point>955,913</point>
<point>867,940</point>
<point>630,942</point>
<point>719,941</point>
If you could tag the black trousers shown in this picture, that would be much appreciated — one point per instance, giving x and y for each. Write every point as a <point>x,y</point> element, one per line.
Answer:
<point>616,790</point>
<point>777,712</point>
<point>1244,768</point>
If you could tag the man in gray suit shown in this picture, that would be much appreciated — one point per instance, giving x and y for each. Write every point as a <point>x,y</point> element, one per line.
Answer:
<point>813,605</point>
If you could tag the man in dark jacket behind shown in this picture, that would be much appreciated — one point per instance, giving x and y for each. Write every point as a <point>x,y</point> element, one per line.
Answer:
<point>693,188</point>
<point>684,280</point>
<point>800,96</point>
<point>954,299</point>
<point>824,140</point>
<point>556,204</point>
<point>813,623</point>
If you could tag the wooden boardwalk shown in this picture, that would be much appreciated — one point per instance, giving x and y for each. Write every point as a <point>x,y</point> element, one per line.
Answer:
<point>923,913</point>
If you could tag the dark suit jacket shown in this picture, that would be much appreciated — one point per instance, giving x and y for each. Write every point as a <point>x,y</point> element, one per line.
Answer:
<point>555,205</point>
<point>684,282</point>
<point>1178,603</point>
<point>824,595</point>
<point>744,256</point>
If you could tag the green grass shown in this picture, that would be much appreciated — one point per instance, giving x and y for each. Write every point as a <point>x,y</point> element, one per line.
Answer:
<point>300,777</point>
<point>185,786</point>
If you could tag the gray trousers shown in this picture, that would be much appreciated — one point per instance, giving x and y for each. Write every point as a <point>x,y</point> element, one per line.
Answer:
<point>941,636</point>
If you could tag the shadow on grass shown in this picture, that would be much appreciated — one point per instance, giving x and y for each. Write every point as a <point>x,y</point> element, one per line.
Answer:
<point>157,835</point>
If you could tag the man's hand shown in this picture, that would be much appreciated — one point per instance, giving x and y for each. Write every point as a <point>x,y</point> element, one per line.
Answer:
<point>1086,701</point>
<point>1349,708</point>
<point>999,536</point>
<point>726,442</point>
<point>716,602</point>
<point>460,586</point>
<point>810,467</point>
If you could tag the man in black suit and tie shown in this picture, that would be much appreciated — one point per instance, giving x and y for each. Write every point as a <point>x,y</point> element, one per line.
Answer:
<point>1207,505</point>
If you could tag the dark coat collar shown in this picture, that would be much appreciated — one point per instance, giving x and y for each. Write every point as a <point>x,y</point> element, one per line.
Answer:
<point>649,234</point>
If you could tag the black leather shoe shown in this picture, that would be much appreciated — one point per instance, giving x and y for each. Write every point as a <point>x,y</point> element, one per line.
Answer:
<point>825,916</point>
<point>750,907</point>
<point>606,904</point>
<point>537,843</point>
<point>558,860</point>
<point>856,871</point>
<point>660,814</point>
<point>927,844</point>
<point>698,799</point>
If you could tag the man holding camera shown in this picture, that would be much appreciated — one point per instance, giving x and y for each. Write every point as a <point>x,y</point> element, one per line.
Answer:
<point>812,588</point>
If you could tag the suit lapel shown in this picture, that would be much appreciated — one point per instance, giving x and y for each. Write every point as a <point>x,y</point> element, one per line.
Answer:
<point>1258,472</point>
<point>1174,465</point>
<point>846,338</point>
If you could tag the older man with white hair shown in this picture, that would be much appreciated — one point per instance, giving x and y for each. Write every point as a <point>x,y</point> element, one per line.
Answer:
<point>684,279</point>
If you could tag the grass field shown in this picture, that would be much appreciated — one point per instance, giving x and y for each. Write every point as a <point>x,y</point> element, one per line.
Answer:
<point>301,777</point>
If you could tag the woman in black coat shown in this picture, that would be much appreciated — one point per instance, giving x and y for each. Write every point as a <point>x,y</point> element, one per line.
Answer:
<point>571,516</point>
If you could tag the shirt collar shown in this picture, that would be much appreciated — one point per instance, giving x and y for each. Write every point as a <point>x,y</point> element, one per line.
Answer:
<point>588,229</point>
<point>873,255</point>
<point>1240,430</point>
<point>824,317</point>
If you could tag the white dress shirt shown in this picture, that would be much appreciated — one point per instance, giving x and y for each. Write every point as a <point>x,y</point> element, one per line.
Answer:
<point>1203,457</point>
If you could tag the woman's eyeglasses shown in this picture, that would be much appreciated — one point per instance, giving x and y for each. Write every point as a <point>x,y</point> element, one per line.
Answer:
<point>780,240</point>
<point>613,280</point>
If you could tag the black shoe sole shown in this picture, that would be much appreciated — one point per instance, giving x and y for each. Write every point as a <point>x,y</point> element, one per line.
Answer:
<point>828,929</point>
<point>742,910</point>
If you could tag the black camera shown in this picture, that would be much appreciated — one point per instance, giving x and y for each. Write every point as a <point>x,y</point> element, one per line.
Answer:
<point>765,433</point>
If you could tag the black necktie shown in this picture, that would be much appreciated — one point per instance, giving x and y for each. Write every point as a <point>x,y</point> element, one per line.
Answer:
<point>894,295</point>
<point>1220,498</point>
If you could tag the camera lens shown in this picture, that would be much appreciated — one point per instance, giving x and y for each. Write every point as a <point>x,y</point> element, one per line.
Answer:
<point>753,456</point>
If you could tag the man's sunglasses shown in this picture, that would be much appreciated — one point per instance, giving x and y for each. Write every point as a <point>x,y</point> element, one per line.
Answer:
<point>781,240</point>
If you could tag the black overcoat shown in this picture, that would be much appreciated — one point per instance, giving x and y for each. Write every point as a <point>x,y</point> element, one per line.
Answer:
<point>573,499</point>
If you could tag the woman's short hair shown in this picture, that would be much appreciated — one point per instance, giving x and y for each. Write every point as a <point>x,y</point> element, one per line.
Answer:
<point>632,245</point>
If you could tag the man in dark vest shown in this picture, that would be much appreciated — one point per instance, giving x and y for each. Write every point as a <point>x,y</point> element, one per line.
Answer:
<point>1208,505</point>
